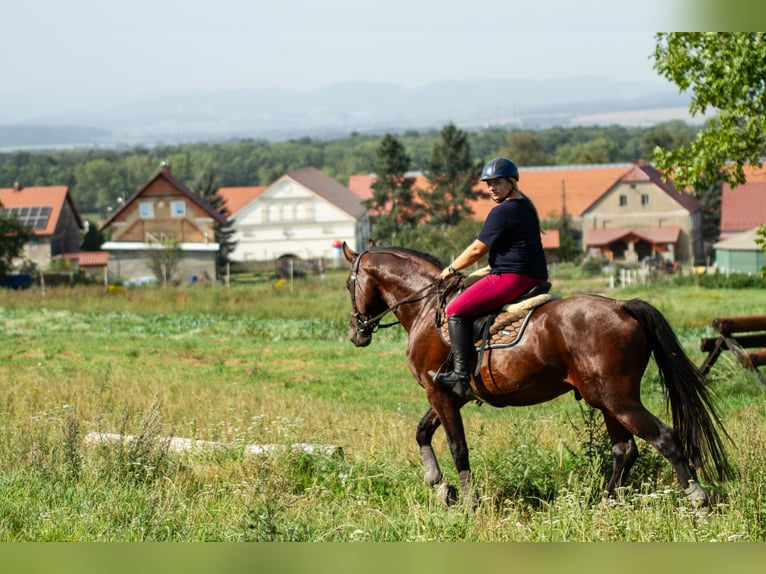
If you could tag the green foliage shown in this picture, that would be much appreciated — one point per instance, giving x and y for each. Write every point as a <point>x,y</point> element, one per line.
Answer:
<point>164,259</point>
<point>592,266</point>
<point>452,176</point>
<point>719,281</point>
<point>392,205</point>
<point>93,238</point>
<point>13,237</point>
<point>443,242</point>
<point>525,148</point>
<point>723,72</point>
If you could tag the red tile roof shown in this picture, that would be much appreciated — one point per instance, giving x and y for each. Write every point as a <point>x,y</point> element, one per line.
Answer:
<point>550,188</point>
<point>92,258</point>
<point>237,197</point>
<point>42,196</point>
<point>744,207</point>
<point>601,237</point>
<point>551,239</point>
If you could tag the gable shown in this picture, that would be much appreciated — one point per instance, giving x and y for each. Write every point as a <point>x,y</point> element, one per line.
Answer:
<point>642,189</point>
<point>163,187</point>
<point>286,201</point>
<point>328,189</point>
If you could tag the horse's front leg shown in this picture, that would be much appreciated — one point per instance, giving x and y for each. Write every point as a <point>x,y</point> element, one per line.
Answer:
<point>447,408</point>
<point>432,474</point>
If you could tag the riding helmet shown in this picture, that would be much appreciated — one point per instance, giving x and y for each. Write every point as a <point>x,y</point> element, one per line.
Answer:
<point>500,167</point>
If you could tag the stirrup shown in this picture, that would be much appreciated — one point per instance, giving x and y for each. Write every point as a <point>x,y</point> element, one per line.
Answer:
<point>461,386</point>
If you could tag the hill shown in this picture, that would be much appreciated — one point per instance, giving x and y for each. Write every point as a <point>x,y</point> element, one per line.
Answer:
<point>340,109</point>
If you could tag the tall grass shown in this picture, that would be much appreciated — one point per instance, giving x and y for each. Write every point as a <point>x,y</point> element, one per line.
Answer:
<point>264,364</point>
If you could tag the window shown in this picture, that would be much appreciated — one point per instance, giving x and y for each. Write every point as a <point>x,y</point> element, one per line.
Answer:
<point>644,199</point>
<point>623,200</point>
<point>177,209</point>
<point>146,210</point>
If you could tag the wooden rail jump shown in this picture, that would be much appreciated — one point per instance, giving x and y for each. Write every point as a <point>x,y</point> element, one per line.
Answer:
<point>736,335</point>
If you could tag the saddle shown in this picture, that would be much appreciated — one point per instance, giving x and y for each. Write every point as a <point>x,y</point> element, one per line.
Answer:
<point>502,327</point>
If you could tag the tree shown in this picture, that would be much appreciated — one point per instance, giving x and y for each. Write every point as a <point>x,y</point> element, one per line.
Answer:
<point>14,235</point>
<point>164,258</point>
<point>525,148</point>
<point>453,176</point>
<point>207,188</point>
<point>725,74</point>
<point>93,238</point>
<point>392,204</point>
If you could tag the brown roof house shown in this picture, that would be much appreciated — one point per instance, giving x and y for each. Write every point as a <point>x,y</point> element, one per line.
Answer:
<point>642,216</point>
<point>52,213</point>
<point>305,213</point>
<point>163,213</point>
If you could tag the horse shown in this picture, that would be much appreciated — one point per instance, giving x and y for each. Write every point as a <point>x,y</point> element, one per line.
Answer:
<point>594,346</point>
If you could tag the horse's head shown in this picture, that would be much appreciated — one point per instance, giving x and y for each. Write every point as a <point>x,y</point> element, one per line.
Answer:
<point>367,305</point>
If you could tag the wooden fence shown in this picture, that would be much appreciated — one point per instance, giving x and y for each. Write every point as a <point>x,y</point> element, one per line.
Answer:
<point>738,334</point>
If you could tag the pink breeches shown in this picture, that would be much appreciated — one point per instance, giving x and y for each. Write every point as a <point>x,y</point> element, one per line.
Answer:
<point>490,292</point>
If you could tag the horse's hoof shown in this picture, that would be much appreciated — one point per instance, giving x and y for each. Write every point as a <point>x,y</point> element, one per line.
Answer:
<point>447,494</point>
<point>696,495</point>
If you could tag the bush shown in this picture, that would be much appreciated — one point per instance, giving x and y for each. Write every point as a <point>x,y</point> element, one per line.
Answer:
<point>592,266</point>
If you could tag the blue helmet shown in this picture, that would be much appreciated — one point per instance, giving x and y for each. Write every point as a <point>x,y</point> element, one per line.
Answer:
<point>500,167</point>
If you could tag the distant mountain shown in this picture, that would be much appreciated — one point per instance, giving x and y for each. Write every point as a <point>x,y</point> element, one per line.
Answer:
<point>340,109</point>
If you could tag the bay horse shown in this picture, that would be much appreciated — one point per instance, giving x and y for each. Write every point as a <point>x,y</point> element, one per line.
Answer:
<point>593,345</point>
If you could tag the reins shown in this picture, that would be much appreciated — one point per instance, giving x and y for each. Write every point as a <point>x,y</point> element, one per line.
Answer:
<point>372,324</point>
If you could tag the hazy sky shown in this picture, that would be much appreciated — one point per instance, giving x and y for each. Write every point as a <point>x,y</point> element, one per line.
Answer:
<point>93,53</point>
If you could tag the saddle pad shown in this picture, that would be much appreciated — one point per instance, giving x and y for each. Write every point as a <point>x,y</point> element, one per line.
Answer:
<point>508,325</point>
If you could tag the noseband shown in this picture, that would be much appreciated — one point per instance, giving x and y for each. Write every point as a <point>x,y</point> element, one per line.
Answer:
<point>366,325</point>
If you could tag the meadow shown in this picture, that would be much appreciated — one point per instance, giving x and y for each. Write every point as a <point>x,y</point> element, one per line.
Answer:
<point>269,363</point>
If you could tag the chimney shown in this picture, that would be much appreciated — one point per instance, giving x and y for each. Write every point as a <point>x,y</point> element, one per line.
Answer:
<point>17,186</point>
<point>165,166</point>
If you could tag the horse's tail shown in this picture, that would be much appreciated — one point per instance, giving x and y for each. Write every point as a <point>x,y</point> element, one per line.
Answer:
<point>695,418</point>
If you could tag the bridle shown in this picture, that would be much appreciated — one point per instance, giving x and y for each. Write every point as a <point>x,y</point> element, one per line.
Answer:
<point>366,325</point>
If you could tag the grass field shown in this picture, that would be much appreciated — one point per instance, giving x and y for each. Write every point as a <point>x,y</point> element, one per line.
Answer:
<point>270,364</point>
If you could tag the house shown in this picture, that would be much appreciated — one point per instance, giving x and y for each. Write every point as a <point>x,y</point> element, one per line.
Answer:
<point>743,211</point>
<point>740,253</point>
<point>555,190</point>
<point>643,216</point>
<point>304,214</point>
<point>744,207</point>
<point>52,213</point>
<point>162,210</point>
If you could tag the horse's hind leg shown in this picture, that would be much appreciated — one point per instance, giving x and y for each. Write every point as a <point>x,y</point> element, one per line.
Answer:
<point>624,452</point>
<point>426,429</point>
<point>665,439</point>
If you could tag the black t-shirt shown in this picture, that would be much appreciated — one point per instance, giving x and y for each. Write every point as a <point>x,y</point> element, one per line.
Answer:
<point>512,231</point>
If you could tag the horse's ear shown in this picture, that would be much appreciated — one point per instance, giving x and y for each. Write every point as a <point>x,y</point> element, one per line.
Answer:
<point>349,253</point>
<point>370,242</point>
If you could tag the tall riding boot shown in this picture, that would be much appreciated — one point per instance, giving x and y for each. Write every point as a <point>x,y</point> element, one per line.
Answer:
<point>461,338</point>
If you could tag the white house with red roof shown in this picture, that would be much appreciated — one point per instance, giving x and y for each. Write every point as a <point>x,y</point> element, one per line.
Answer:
<point>305,213</point>
<point>53,216</point>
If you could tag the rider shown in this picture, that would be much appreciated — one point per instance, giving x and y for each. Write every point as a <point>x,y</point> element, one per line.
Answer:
<point>511,236</point>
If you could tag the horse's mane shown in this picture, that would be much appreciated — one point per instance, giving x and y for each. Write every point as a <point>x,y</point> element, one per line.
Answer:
<point>407,251</point>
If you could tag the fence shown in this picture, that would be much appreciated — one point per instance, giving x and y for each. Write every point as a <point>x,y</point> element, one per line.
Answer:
<point>738,334</point>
